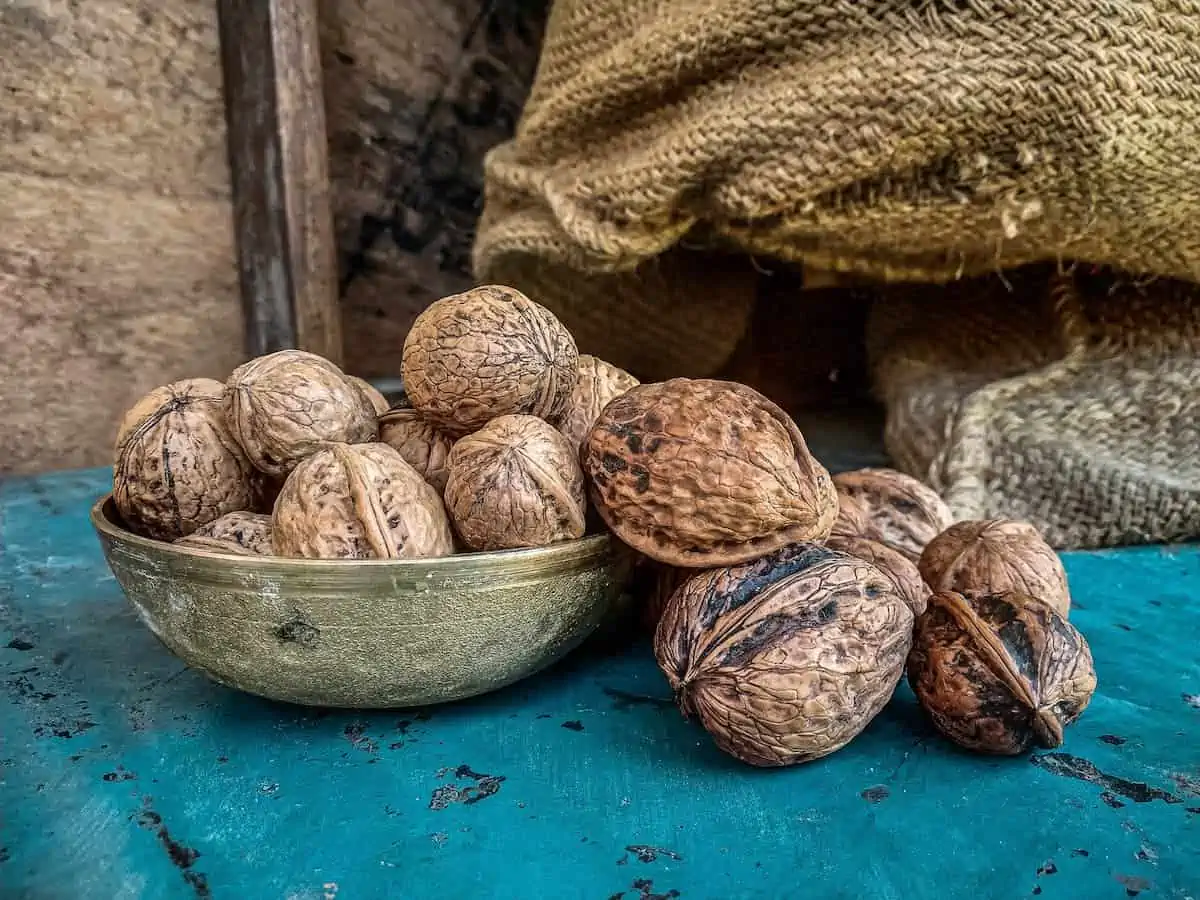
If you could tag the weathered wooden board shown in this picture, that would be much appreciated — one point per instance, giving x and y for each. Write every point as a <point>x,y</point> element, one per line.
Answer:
<point>279,165</point>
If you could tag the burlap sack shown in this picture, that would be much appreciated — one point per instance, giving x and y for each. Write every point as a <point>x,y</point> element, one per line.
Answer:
<point>915,142</point>
<point>1071,401</point>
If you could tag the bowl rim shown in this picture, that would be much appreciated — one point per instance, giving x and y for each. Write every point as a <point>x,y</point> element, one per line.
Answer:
<point>564,552</point>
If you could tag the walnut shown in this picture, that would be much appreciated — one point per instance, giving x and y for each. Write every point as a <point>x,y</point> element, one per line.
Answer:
<point>177,466</point>
<point>378,401</point>
<point>485,353</point>
<point>700,473</point>
<point>853,520</point>
<point>907,513</point>
<point>994,556</point>
<point>360,501</point>
<point>892,563</point>
<point>998,673</point>
<point>599,383</point>
<point>285,406</point>
<point>241,533</point>
<point>419,441</point>
<point>787,658</point>
<point>514,483</point>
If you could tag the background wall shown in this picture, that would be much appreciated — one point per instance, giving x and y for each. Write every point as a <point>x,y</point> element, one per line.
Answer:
<point>117,265</point>
<point>116,249</point>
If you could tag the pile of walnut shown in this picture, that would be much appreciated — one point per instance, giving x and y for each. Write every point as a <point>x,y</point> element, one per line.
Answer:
<point>786,604</point>
<point>292,457</point>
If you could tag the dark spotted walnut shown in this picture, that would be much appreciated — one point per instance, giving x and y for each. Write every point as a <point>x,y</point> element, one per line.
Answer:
<point>240,533</point>
<point>999,673</point>
<point>378,401</point>
<point>906,513</point>
<point>422,444</point>
<point>177,465</point>
<point>599,383</point>
<point>994,556</point>
<point>360,501</point>
<point>515,483</point>
<point>285,406</point>
<point>892,563</point>
<point>701,473</point>
<point>488,352</point>
<point>787,658</point>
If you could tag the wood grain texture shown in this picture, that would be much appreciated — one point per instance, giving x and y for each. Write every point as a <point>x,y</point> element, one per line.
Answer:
<point>279,167</point>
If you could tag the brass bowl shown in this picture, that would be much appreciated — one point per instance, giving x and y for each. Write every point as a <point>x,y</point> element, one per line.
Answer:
<point>366,633</point>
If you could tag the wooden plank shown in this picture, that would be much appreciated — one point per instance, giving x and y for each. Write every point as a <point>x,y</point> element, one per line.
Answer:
<point>279,162</point>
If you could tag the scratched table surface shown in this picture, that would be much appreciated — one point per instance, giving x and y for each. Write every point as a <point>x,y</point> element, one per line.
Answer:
<point>126,775</point>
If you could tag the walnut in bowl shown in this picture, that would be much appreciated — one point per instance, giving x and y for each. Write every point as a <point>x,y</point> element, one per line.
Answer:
<point>484,353</point>
<point>177,465</point>
<point>285,406</point>
<point>515,483</point>
<point>359,501</point>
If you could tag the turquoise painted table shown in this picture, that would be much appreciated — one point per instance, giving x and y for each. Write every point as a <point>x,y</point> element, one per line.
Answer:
<point>125,775</point>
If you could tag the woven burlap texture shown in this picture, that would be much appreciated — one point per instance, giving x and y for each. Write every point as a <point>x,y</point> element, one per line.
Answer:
<point>1071,401</point>
<point>914,140</point>
<point>895,141</point>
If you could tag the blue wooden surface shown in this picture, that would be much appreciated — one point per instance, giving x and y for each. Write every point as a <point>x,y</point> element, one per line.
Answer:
<point>125,775</point>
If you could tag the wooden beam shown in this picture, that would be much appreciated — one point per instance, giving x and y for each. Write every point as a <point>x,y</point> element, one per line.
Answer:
<point>278,154</point>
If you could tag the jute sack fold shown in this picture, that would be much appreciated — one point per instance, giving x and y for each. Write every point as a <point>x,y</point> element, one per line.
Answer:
<point>1069,400</point>
<point>894,141</point>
